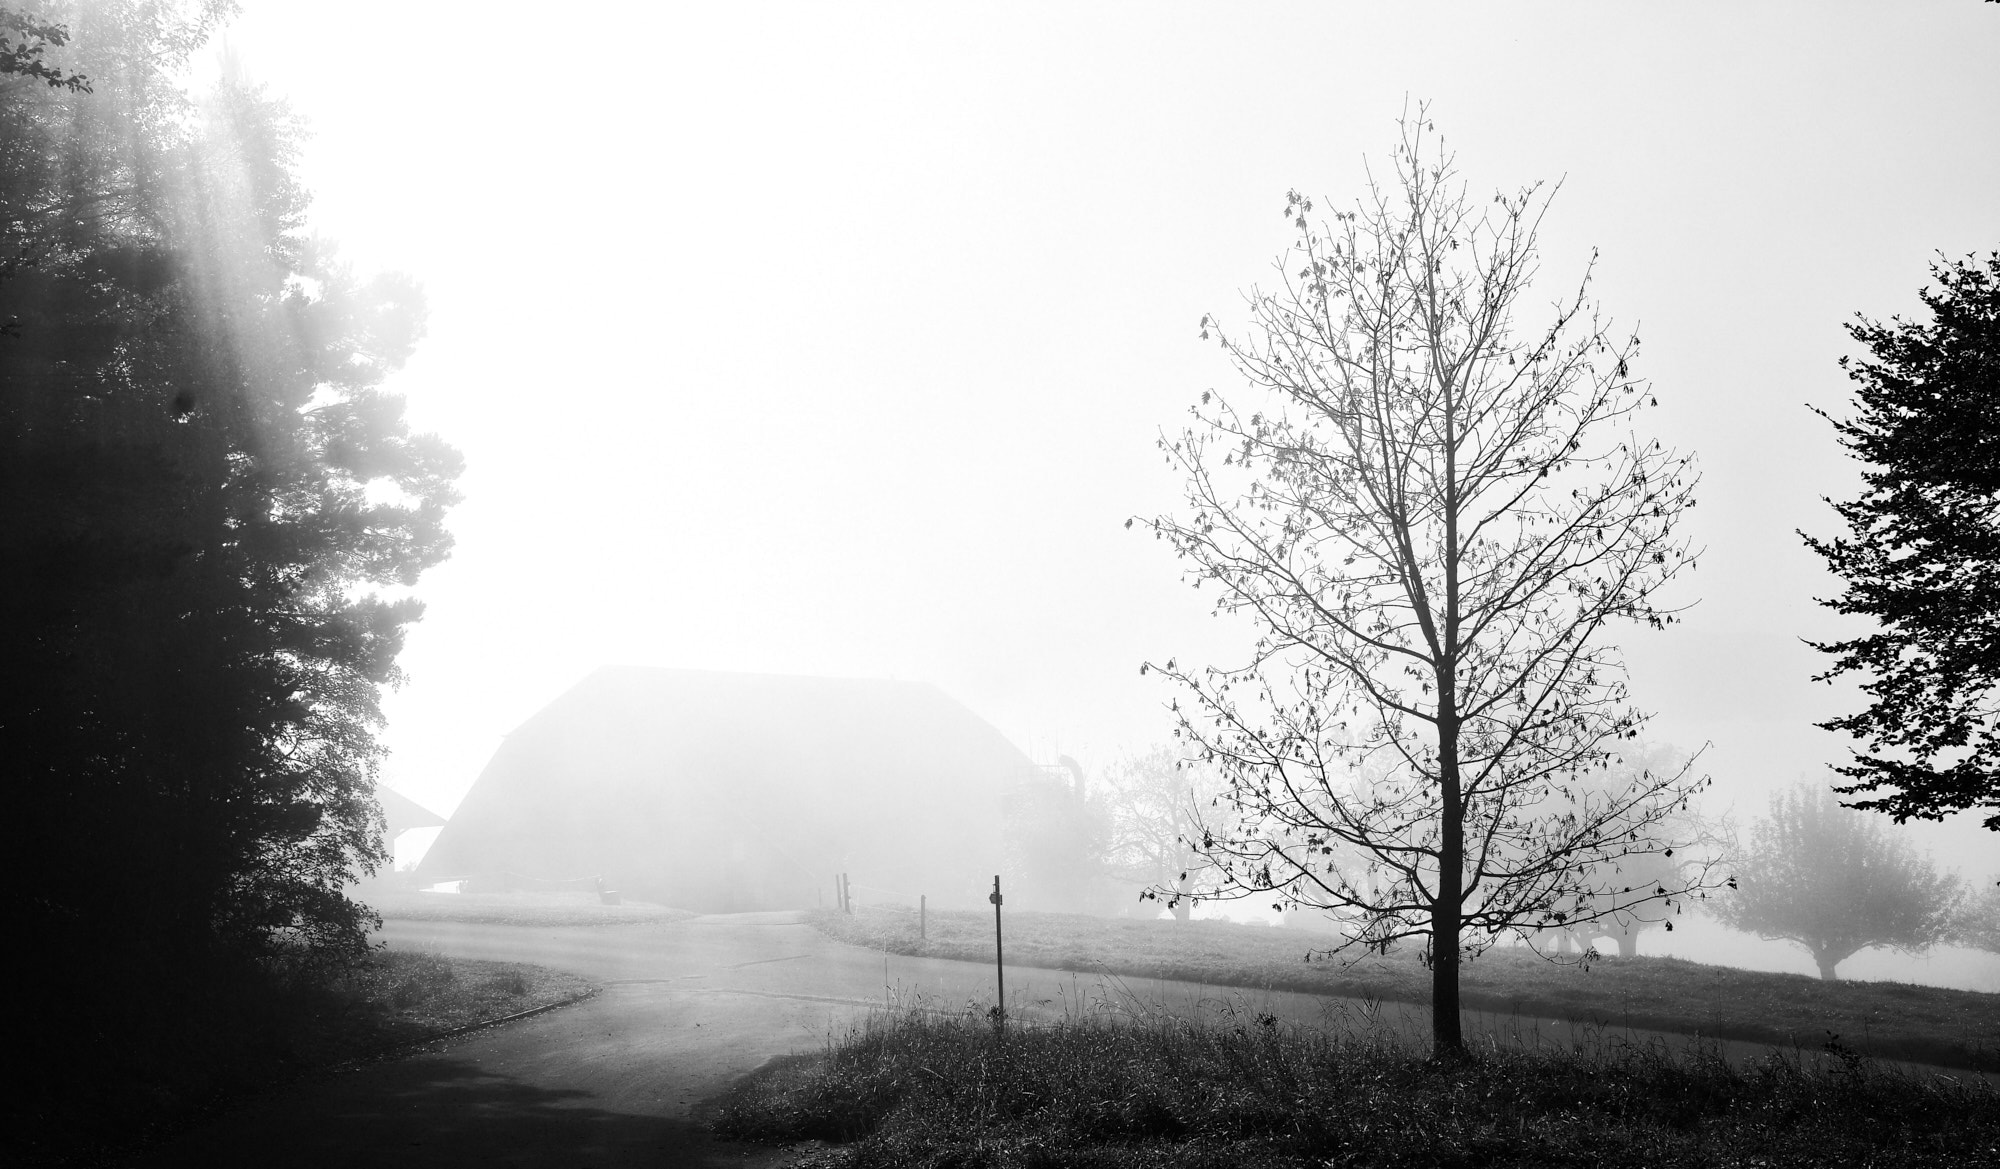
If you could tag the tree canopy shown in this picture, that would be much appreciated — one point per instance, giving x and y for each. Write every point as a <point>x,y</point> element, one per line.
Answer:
<point>215,510</point>
<point>1922,553</point>
<point>1432,513</point>
<point>1834,881</point>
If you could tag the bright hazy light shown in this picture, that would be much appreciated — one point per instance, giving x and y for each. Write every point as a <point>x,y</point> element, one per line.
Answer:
<point>834,339</point>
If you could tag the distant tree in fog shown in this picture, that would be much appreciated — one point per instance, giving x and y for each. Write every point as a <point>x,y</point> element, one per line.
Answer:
<point>1978,924</point>
<point>1154,799</point>
<point>1922,554</point>
<point>1833,880</point>
<point>1653,870</point>
<point>1054,839</point>
<point>1433,513</point>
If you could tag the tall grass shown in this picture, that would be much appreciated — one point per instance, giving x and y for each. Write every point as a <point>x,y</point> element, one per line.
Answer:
<point>924,1089</point>
<point>1954,1028</point>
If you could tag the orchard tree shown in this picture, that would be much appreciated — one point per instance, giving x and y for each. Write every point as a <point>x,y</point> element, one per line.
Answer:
<point>1978,924</point>
<point>1656,870</point>
<point>1433,512</point>
<point>1155,799</point>
<point>1834,881</point>
<point>1922,555</point>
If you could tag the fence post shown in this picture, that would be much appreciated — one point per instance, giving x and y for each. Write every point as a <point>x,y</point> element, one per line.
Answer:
<point>846,895</point>
<point>922,902</point>
<point>999,963</point>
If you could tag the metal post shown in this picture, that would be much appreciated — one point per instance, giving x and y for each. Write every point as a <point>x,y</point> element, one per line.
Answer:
<point>999,963</point>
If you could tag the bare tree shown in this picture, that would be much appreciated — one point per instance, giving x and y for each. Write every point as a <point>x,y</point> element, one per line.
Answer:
<point>1155,799</point>
<point>1431,520</point>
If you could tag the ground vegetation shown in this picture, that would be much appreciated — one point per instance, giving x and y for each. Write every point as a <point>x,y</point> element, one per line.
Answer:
<point>924,1089</point>
<point>1954,1028</point>
<point>379,1007</point>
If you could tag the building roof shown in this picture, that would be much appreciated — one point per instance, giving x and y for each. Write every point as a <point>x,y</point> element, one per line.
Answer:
<point>404,813</point>
<point>722,791</point>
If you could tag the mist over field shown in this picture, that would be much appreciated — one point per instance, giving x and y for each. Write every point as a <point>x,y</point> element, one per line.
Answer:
<point>873,389</point>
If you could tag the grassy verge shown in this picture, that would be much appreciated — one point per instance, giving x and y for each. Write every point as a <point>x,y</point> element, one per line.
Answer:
<point>270,1031</point>
<point>921,1090</point>
<point>406,996</point>
<point>537,909</point>
<point>1892,1020</point>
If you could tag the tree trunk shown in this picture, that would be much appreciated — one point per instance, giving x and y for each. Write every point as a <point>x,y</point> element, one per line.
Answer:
<point>1826,968</point>
<point>1628,944</point>
<point>1447,1039</point>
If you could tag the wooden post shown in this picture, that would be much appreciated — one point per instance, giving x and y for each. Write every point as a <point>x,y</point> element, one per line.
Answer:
<point>999,963</point>
<point>922,902</point>
<point>846,895</point>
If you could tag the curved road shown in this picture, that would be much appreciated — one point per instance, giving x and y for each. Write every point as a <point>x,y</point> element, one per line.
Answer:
<point>686,1010</point>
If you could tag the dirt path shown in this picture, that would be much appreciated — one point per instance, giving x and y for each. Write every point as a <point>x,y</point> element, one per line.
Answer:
<point>686,1010</point>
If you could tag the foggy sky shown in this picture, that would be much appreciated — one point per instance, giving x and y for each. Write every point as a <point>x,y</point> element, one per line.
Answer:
<point>835,339</point>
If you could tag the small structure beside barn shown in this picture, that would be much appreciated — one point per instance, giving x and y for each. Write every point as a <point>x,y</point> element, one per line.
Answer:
<point>726,792</point>
<point>403,814</point>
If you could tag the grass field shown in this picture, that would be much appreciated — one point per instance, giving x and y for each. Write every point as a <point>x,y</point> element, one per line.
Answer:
<point>538,909</point>
<point>919,1090</point>
<point>1954,1028</point>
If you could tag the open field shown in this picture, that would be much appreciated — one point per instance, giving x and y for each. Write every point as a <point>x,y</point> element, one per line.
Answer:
<point>520,909</point>
<point>918,1089</point>
<point>1953,1028</point>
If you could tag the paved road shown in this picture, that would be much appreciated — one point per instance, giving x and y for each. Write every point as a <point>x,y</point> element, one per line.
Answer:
<point>686,1010</point>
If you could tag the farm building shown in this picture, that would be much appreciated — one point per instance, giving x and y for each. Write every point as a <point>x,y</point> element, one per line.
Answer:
<point>724,792</point>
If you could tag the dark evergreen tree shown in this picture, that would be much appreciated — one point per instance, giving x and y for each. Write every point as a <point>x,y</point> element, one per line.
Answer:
<point>1922,554</point>
<point>207,495</point>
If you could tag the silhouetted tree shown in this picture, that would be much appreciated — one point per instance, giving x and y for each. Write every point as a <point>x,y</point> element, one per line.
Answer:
<point>1922,554</point>
<point>1153,798</point>
<point>207,491</point>
<point>1834,881</point>
<point>23,43</point>
<point>1432,520</point>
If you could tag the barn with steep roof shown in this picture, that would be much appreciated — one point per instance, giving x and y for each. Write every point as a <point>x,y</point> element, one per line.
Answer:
<point>724,792</point>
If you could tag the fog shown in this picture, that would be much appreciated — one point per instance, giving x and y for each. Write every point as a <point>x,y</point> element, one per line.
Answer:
<point>834,341</point>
